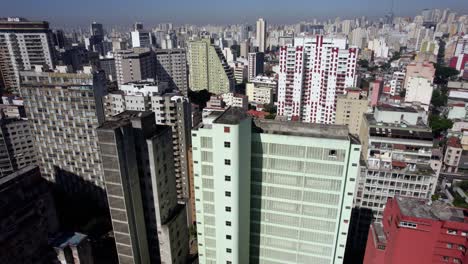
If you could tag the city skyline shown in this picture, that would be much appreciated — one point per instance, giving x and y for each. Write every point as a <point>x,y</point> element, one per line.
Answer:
<point>209,12</point>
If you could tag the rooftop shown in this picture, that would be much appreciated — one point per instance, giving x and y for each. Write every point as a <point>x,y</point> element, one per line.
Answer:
<point>68,239</point>
<point>123,119</point>
<point>232,116</point>
<point>302,129</point>
<point>420,208</point>
<point>454,142</point>
<point>392,108</point>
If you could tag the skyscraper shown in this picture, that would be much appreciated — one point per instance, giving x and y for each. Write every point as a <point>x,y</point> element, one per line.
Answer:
<point>313,71</point>
<point>141,38</point>
<point>208,69</point>
<point>261,34</point>
<point>64,110</point>
<point>23,44</point>
<point>149,225</point>
<point>171,67</point>
<point>272,192</point>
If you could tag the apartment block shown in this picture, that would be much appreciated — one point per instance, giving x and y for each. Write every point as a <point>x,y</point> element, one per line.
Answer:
<point>149,225</point>
<point>350,109</point>
<point>419,90</point>
<point>397,150</point>
<point>16,145</point>
<point>170,108</point>
<point>418,231</point>
<point>171,67</point>
<point>272,192</point>
<point>27,218</point>
<point>420,69</point>
<point>313,71</point>
<point>23,44</point>
<point>64,109</point>
<point>208,68</point>
<point>134,65</point>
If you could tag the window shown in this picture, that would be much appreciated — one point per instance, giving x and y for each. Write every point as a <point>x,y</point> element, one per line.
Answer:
<point>227,144</point>
<point>350,193</point>
<point>228,237</point>
<point>408,224</point>
<point>451,232</point>
<point>228,250</point>
<point>455,260</point>
<point>352,179</point>
<point>227,194</point>
<point>445,258</point>
<point>332,153</point>
<point>227,178</point>
<point>227,162</point>
<point>228,208</point>
<point>449,245</point>
<point>227,129</point>
<point>228,223</point>
<point>228,262</point>
<point>464,233</point>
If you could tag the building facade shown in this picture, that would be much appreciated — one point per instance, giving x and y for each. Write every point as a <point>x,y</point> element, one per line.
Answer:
<point>171,67</point>
<point>64,109</point>
<point>255,66</point>
<point>313,71</point>
<point>134,65</point>
<point>286,188</point>
<point>16,145</point>
<point>23,44</point>
<point>397,151</point>
<point>208,69</point>
<point>261,90</point>
<point>149,225</point>
<point>350,109</point>
<point>419,90</point>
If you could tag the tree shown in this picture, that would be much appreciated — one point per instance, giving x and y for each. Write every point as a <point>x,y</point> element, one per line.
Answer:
<point>438,98</point>
<point>439,124</point>
<point>363,63</point>
<point>199,97</point>
<point>443,74</point>
<point>270,108</point>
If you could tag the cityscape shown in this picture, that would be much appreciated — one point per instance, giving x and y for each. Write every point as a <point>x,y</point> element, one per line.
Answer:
<point>328,140</point>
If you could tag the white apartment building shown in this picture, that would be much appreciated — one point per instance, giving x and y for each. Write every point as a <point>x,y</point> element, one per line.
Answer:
<point>313,71</point>
<point>261,34</point>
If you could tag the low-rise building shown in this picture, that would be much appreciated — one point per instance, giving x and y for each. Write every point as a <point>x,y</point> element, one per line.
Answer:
<point>452,155</point>
<point>261,90</point>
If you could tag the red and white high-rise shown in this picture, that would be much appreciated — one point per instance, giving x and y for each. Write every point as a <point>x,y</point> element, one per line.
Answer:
<point>313,71</point>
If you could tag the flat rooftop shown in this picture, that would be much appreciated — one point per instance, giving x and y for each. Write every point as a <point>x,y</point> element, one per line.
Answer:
<point>438,210</point>
<point>302,129</point>
<point>232,116</point>
<point>392,108</point>
<point>123,119</point>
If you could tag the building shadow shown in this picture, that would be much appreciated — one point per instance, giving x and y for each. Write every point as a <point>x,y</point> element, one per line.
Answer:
<point>82,207</point>
<point>361,219</point>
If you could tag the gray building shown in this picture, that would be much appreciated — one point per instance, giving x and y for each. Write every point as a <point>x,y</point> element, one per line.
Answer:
<point>16,145</point>
<point>108,66</point>
<point>27,218</point>
<point>64,110</point>
<point>149,225</point>
<point>134,65</point>
<point>171,67</point>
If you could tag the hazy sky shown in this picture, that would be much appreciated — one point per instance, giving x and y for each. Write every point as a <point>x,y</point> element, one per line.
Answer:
<point>67,13</point>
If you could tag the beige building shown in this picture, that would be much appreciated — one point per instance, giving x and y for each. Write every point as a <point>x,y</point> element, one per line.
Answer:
<point>350,109</point>
<point>208,68</point>
<point>261,90</point>
<point>134,65</point>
